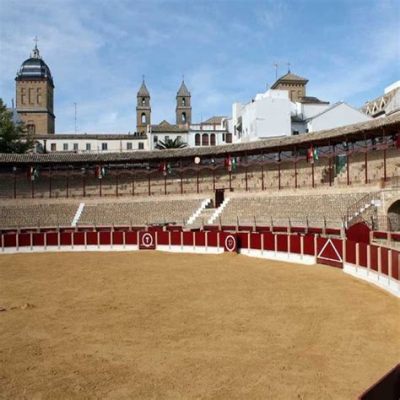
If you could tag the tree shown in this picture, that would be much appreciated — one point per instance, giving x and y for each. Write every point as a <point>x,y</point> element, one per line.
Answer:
<point>12,135</point>
<point>171,144</point>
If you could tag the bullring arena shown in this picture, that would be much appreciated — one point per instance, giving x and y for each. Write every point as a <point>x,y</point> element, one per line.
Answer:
<point>277,280</point>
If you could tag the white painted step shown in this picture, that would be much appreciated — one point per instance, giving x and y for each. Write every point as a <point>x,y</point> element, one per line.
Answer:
<point>78,214</point>
<point>195,215</point>
<point>219,210</point>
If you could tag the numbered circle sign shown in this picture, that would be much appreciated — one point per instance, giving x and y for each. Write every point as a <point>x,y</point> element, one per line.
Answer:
<point>230,243</point>
<point>146,241</point>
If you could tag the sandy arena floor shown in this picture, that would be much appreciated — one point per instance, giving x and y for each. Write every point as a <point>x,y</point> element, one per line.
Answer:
<point>155,325</point>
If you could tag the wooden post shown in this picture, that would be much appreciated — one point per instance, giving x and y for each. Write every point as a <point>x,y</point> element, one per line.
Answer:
<point>245,177</point>
<point>279,174</point>
<point>348,166</point>
<point>15,184</point>
<point>116,184</point>
<point>330,170</point>
<point>312,174</point>
<point>149,187</point>
<point>197,180</point>
<point>84,185</point>
<point>165,183</point>
<point>262,177</point>
<point>100,187</point>
<point>384,165</point>
<point>366,165</point>
<point>295,172</point>
<point>67,184</point>
<point>181,183</point>
<point>133,185</point>
<point>230,180</point>
<point>50,183</point>
<point>213,171</point>
<point>32,189</point>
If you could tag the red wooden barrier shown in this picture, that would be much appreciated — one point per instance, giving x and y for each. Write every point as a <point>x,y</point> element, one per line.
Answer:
<point>118,238</point>
<point>229,241</point>
<point>384,261</point>
<point>176,238</point>
<point>309,247</point>
<point>329,252</point>
<point>131,238</point>
<point>212,239</point>
<point>105,238</point>
<point>10,240</point>
<point>188,238</point>
<point>200,239</point>
<point>52,239</point>
<point>269,241</point>
<point>255,241</point>
<point>363,251</point>
<point>282,243</point>
<point>79,238</point>
<point>295,245</point>
<point>243,240</point>
<point>373,256</point>
<point>350,252</point>
<point>24,239</point>
<point>163,238</point>
<point>38,239</point>
<point>66,238</point>
<point>395,264</point>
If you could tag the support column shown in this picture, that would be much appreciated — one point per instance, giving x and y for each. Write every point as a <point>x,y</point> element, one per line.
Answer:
<point>149,184</point>
<point>230,180</point>
<point>348,166</point>
<point>165,184</point>
<point>15,185</point>
<point>197,181</point>
<point>245,177</point>
<point>213,173</point>
<point>100,187</point>
<point>67,185</point>
<point>181,183</point>
<point>84,185</point>
<point>366,165</point>
<point>32,189</point>
<point>116,184</point>
<point>384,165</point>
<point>262,177</point>
<point>312,174</point>
<point>279,174</point>
<point>50,183</point>
<point>330,170</point>
<point>133,185</point>
<point>295,173</point>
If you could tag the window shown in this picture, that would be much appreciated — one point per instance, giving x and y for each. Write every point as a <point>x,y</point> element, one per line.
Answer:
<point>30,96</point>
<point>39,95</point>
<point>129,145</point>
<point>228,138</point>
<point>104,146</point>
<point>212,139</point>
<point>53,147</point>
<point>183,117</point>
<point>23,95</point>
<point>155,139</point>
<point>88,147</point>
<point>143,101</point>
<point>183,101</point>
<point>76,146</point>
<point>295,132</point>
<point>204,139</point>
<point>143,118</point>
<point>223,137</point>
<point>197,139</point>
<point>31,129</point>
<point>141,146</point>
<point>65,146</point>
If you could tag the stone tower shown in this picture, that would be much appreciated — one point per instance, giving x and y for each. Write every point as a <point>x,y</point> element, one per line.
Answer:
<point>143,109</point>
<point>294,84</point>
<point>183,106</point>
<point>34,94</point>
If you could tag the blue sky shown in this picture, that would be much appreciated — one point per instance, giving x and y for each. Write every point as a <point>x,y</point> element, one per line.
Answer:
<point>99,50</point>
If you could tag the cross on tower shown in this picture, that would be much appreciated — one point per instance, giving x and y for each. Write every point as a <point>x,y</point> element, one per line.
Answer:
<point>288,67</point>
<point>35,39</point>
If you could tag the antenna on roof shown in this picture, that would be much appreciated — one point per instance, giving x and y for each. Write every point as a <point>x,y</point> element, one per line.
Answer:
<point>183,77</point>
<point>276,71</point>
<point>35,39</point>
<point>288,67</point>
<point>75,116</point>
<point>143,77</point>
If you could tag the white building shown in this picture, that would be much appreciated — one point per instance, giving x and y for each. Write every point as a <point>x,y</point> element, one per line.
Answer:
<point>283,112</point>
<point>387,104</point>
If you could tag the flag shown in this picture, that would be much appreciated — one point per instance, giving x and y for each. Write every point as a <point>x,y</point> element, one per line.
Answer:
<point>169,168</point>
<point>33,173</point>
<point>228,163</point>
<point>234,163</point>
<point>315,154</point>
<point>310,155</point>
<point>100,171</point>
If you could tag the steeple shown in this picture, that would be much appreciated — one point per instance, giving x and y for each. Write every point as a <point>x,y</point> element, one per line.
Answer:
<point>183,106</point>
<point>143,109</point>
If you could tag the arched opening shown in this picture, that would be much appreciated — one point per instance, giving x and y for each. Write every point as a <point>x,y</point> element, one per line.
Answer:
<point>204,139</point>
<point>183,101</point>
<point>394,216</point>
<point>143,101</point>
<point>143,118</point>
<point>184,117</point>
<point>197,139</point>
<point>212,139</point>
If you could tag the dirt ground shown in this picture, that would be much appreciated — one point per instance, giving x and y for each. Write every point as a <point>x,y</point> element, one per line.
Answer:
<point>153,325</point>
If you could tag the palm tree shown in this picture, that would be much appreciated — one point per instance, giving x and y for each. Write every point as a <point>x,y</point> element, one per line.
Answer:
<point>171,144</point>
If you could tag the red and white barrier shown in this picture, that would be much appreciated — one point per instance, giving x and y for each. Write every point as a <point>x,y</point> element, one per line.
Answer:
<point>374,264</point>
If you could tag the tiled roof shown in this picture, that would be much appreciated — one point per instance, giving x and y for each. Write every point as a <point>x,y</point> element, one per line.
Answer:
<point>92,136</point>
<point>165,126</point>
<point>214,120</point>
<point>391,124</point>
<point>289,77</point>
<point>143,92</point>
<point>183,90</point>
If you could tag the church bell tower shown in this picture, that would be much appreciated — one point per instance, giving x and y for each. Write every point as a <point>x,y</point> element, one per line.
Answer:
<point>143,109</point>
<point>183,106</point>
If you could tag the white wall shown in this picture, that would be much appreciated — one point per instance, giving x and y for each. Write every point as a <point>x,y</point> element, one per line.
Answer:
<point>337,116</point>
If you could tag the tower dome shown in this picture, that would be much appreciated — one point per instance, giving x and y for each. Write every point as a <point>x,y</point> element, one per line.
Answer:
<point>34,67</point>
